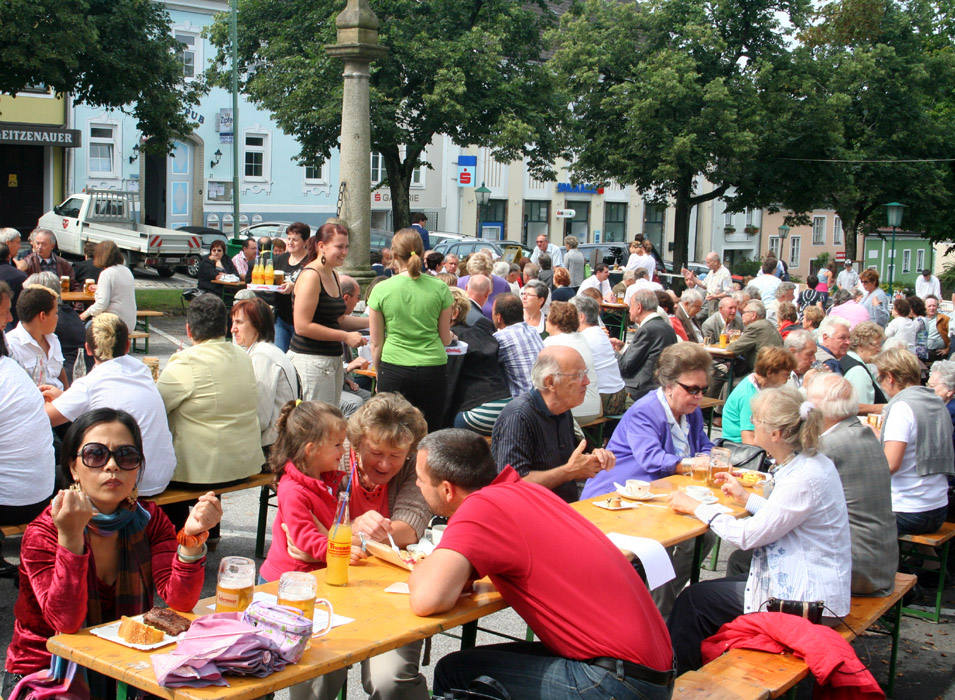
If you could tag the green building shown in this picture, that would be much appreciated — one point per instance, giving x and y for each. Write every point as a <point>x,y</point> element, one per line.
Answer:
<point>912,254</point>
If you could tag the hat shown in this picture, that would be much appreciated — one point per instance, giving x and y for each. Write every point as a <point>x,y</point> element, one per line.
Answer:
<point>926,271</point>
<point>848,262</point>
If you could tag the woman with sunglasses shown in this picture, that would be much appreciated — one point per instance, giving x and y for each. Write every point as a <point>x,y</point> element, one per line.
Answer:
<point>97,553</point>
<point>773,367</point>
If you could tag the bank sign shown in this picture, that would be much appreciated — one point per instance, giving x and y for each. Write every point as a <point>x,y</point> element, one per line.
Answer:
<point>567,188</point>
<point>37,135</point>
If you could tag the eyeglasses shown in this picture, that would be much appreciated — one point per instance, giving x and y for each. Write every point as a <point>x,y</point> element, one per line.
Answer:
<point>528,295</point>
<point>579,376</point>
<point>691,389</point>
<point>95,456</point>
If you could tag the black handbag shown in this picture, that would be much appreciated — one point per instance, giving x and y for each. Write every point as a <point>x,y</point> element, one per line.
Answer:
<point>745,456</point>
<point>481,688</point>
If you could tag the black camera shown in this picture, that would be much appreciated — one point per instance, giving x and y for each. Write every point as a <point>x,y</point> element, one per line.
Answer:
<point>812,611</point>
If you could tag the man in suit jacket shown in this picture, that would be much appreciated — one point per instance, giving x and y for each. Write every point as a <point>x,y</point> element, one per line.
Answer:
<point>655,333</point>
<point>861,464</point>
<point>690,304</point>
<point>724,319</point>
<point>757,333</point>
<point>478,290</point>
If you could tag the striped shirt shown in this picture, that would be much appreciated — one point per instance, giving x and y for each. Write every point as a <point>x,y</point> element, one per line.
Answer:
<point>519,346</point>
<point>528,437</point>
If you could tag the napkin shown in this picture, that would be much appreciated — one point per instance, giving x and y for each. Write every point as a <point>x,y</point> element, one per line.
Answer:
<point>656,562</point>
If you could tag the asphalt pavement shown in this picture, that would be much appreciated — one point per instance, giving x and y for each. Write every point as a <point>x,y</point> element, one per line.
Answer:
<point>926,650</point>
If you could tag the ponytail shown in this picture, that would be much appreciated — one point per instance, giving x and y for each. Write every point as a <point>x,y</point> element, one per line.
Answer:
<point>407,247</point>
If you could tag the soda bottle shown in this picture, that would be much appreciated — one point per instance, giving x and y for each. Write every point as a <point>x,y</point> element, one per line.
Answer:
<point>257,272</point>
<point>339,545</point>
<point>268,277</point>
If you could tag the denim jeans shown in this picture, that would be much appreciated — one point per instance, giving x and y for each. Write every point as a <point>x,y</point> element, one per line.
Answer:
<point>283,334</point>
<point>528,670</point>
<point>921,523</point>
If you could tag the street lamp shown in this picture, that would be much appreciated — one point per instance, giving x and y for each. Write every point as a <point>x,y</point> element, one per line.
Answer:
<point>893,212</point>
<point>783,233</point>
<point>483,195</point>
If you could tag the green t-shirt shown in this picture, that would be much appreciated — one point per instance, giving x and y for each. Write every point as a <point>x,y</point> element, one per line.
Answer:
<point>411,308</point>
<point>737,415</point>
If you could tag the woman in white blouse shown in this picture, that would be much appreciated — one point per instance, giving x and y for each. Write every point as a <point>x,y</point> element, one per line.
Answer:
<point>799,533</point>
<point>115,291</point>
<point>253,328</point>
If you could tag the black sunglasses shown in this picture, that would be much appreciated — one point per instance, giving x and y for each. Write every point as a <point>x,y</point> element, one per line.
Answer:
<point>692,390</point>
<point>96,455</point>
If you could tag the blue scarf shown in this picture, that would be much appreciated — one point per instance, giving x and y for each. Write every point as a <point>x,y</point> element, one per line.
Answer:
<point>135,518</point>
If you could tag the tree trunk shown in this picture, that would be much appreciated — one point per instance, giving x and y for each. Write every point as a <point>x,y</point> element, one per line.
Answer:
<point>399,182</point>
<point>681,224</point>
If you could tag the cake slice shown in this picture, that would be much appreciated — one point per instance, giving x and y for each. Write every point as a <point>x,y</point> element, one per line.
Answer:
<point>167,620</point>
<point>136,632</point>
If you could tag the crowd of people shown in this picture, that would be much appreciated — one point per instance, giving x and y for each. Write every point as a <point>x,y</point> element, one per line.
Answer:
<point>483,383</point>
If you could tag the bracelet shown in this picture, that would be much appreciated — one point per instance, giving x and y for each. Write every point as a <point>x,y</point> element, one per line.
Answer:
<point>191,540</point>
<point>192,559</point>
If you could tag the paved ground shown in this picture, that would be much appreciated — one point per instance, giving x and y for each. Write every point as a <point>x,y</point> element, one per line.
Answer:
<point>926,651</point>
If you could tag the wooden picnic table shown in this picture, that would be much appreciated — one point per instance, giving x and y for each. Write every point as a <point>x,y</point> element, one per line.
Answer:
<point>730,357</point>
<point>81,297</point>
<point>616,309</point>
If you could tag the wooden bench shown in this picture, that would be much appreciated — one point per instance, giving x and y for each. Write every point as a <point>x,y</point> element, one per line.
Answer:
<point>142,319</point>
<point>708,406</point>
<point>13,530</point>
<point>596,438</point>
<point>911,555</point>
<point>135,336</point>
<point>757,675</point>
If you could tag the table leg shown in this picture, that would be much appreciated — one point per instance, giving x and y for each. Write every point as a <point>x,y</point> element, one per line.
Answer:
<point>469,635</point>
<point>121,689</point>
<point>263,518</point>
<point>697,559</point>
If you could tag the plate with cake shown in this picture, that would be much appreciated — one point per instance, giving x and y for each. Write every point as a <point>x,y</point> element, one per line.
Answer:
<point>157,628</point>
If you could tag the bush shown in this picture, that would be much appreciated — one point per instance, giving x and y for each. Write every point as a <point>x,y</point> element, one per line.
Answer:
<point>746,267</point>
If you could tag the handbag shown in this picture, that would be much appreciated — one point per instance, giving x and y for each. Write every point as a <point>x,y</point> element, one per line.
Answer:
<point>56,682</point>
<point>745,456</point>
<point>481,688</point>
<point>285,626</point>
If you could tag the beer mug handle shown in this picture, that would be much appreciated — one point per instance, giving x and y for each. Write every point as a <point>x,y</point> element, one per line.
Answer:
<point>328,606</point>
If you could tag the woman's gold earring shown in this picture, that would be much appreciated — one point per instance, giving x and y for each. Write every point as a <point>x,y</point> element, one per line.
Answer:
<point>75,486</point>
<point>133,496</point>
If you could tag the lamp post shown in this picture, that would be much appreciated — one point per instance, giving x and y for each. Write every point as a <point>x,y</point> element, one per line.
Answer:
<point>483,196</point>
<point>783,234</point>
<point>893,211</point>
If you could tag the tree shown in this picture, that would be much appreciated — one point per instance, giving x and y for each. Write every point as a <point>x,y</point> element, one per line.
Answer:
<point>666,92</point>
<point>112,53</point>
<point>871,110</point>
<point>469,69</point>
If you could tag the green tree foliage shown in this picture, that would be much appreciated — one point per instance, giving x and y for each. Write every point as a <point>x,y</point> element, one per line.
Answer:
<point>871,85</point>
<point>667,92</point>
<point>469,69</point>
<point>111,53</point>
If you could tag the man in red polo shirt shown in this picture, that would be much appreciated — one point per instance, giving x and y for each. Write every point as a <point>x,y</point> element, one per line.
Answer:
<point>598,627</point>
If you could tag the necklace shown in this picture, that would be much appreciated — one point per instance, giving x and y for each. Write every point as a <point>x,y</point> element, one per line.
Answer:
<point>779,465</point>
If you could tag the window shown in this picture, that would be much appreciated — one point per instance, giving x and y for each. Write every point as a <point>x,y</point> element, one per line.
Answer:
<point>315,173</point>
<point>906,261</point>
<point>749,217</point>
<point>818,230</point>
<point>728,219</point>
<point>920,260</point>
<point>256,156</point>
<point>795,244</point>
<point>615,221</point>
<point>538,218</point>
<point>417,176</point>
<point>837,231</point>
<point>187,53</point>
<point>774,245</point>
<point>102,152</point>
<point>654,223</point>
<point>377,168</point>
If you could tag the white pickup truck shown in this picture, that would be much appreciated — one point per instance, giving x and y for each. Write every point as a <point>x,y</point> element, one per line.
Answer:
<point>109,215</point>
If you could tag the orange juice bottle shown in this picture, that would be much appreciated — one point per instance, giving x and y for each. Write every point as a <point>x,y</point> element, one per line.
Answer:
<point>339,545</point>
<point>268,277</point>
<point>257,272</point>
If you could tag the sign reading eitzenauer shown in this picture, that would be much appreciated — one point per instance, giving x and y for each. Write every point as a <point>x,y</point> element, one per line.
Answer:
<point>39,135</point>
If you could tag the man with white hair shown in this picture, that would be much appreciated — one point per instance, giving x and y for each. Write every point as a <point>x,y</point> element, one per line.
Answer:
<point>480,264</point>
<point>535,432</point>
<point>718,282</point>
<point>479,289</point>
<point>43,259</point>
<point>757,333</point>
<point>786,291</point>
<point>725,319</point>
<point>690,304</point>
<point>654,333</point>
<point>866,480</point>
<point>833,342</point>
<point>451,264</point>
<point>11,237</point>
<point>801,345</point>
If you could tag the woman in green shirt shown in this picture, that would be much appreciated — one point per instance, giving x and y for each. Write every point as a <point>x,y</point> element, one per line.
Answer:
<point>410,322</point>
<point>773,367</point>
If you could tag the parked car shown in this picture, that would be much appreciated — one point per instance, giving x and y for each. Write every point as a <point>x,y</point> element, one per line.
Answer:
<point>511,250</point>
<point>191,263</point>
<point>268,229</point>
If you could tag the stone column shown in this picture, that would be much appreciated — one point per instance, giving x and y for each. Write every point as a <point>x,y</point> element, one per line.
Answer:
<point>357,46</point>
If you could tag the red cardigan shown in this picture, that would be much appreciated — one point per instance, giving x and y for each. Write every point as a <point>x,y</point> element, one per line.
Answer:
<point>53,586</point>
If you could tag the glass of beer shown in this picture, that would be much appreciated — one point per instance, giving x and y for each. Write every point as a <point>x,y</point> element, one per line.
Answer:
<point>875,420</point>
<point>719,462</point>
<point>64,283</point>
<point>87,285</point>
<point>724,340</point>
<point>700,469</point>
<point>235,584</point>
<point>297,590</point>
<point>279,277</point>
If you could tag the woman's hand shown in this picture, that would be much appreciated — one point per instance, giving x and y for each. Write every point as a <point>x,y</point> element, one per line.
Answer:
<point>731,487</point>
<point>373,525</point>
<point>286,288</point>
<point>220,275</point>
<point>357,363</point>
<point>205,515</point>
<point>681,503</point>
<point>294,552</point>
<point>93,288</point>
<point>71,512</point>
<point>357,554</point>
<point>355,339</point>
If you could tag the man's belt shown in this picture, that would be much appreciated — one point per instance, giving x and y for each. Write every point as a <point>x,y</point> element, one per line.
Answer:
<point>632,670</point>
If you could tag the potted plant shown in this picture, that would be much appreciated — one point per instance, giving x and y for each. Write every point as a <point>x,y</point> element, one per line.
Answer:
<point>751,230</point>
<point>729,229</point>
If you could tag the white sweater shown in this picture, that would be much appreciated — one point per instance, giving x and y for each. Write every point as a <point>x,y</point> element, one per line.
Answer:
<point>116,293</point>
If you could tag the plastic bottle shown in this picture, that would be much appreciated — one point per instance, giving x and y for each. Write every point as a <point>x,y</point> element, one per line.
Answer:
<point>339,545</point>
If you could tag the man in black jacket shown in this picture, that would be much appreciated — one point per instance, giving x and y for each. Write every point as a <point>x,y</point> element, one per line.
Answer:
<point>654,333</point>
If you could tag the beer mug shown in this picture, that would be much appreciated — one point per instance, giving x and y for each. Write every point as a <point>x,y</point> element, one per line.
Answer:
<point>235,584</point>
<point>719,462</point>
<point>297,590</point>
<point>64,283</point>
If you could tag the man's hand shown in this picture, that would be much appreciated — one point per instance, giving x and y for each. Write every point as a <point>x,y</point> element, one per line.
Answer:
<point>582,466</point>
<point>357,363</point>
<point>681,503</point>
<point>617,344</point>
<point>50,392</point>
